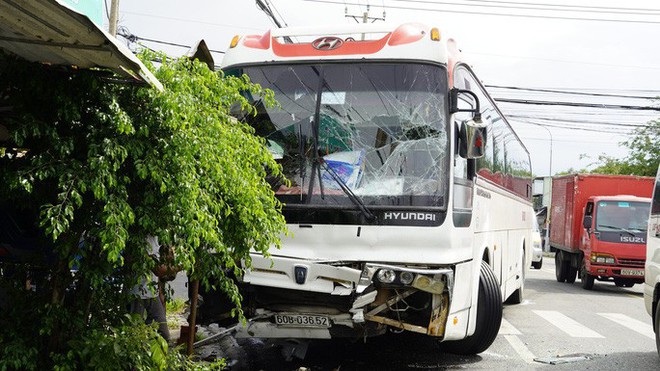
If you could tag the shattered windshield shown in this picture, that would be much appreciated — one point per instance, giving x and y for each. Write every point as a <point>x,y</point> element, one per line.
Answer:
<point>622,216</point>
<point>374,130</point>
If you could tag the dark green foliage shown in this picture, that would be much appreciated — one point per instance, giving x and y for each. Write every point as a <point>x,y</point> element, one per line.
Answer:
<point>643,158</point>
<point>114,163</point>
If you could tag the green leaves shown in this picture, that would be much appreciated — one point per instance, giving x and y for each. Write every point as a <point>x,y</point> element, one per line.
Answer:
<point>643,157</point>
<point>105,165</point>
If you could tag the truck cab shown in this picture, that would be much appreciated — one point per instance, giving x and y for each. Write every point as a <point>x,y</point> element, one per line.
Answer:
<point>613,240</point>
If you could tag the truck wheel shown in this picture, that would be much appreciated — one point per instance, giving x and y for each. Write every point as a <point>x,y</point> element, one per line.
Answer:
<point>586,278</point>
<point>538,264</point>
<point>518,295</point>
<point>489,317</point>
<point>560,267</point>
<point>571,273</point>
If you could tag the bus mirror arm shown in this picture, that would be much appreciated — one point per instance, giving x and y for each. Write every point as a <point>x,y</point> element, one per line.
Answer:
<point>453,103</point>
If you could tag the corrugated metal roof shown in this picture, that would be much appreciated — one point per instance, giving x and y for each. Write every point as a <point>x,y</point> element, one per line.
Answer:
<point>50,32</point>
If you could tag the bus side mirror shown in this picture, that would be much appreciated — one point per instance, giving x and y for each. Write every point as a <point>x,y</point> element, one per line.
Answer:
<point>586,222</point>
<point>472,139</point>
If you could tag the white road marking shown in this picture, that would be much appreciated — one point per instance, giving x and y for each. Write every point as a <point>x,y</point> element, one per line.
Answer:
<point>566,324</point>
<point>520,348</point>
<point>633,324</point>
<point>506,328</point>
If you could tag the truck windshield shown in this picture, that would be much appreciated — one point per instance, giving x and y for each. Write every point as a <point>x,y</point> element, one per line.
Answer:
<point>622,216</point>
<point>377,131</point>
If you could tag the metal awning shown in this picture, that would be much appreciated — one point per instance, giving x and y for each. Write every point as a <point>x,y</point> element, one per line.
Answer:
<point>50,32</point>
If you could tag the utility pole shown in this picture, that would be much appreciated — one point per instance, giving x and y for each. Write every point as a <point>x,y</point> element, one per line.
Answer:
<point>365,17</point>
<point>114,17</point>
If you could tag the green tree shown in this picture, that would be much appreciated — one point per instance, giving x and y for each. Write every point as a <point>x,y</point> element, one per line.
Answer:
<point>103,165</point>
<point>643,157</point>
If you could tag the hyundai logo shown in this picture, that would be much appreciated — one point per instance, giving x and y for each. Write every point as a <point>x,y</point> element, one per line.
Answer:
<point>327,43</point>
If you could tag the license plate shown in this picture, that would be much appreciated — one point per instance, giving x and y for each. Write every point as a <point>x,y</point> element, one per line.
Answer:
<point>632,272</point>
<point>302,320</point>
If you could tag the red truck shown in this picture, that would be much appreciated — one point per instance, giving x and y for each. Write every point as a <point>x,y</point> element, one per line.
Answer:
<point>598,227</point>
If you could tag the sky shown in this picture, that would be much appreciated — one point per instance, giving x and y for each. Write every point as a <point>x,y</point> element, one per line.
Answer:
<point>595,52</point>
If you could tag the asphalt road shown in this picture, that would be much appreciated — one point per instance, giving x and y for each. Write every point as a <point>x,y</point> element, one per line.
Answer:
<point>604,329</point>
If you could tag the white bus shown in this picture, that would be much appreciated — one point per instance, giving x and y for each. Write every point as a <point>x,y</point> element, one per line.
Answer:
<point>409,202</point>
<point>652,266</point>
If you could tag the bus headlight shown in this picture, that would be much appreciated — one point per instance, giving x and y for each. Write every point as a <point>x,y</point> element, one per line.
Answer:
<point>386,275</point>
<point>428,284</point>
<point>406,278</point>
<point>434,281</point>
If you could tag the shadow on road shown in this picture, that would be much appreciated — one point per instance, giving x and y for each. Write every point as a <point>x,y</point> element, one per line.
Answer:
<point>389,352</point>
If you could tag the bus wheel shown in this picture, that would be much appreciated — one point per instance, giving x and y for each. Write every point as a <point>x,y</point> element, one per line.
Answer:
<point>489,317</point>
<point>586,278</point>
<point>560,267</point>
<point>517,296</point>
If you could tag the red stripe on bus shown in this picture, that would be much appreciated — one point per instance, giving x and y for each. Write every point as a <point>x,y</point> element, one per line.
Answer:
<point>349,47</point>
<point>257,41</point>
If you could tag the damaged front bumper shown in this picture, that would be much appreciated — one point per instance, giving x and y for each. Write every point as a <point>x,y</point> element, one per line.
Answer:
<point>291,298</point>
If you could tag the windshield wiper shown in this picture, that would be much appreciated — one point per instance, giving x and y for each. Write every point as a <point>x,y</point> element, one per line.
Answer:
<point>347,190</point>
<point>618,228</point>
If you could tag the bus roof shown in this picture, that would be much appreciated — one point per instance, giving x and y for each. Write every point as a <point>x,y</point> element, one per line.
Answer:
<point>409,41</point>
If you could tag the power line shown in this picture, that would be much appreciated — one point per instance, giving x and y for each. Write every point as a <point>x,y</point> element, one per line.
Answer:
<point>533,122</point>
<point>564,5</point>
<point>586,122</point>
<point>278,13</point>
<point>545,7</point>
<point>521,109</point>
<point>468,52</point>
<point>571,92</point>
<point>191,21</point>
<point>572,104</point>
<point>123,32</point>
<point>566,140</point>
<point>499,14</point>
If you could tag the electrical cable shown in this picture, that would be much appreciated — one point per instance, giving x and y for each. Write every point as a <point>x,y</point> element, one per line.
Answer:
<point>533,16</point>
<point>521,6</point>
<point>570,92</point>
<point>572,104</point>
<point>134,38</point>
<point>573,127</point>
<point>567,140</point>
<point>191,21</point>
<point>563,5</point>
<point>556,119</point>
<point>278,13</point>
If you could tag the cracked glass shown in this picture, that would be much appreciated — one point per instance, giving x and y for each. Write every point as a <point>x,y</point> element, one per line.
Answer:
<point>358,134</point>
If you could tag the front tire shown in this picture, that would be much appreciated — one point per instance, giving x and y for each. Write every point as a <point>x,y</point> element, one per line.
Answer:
<point>538,264</point>
<point>489,317</point>
<point>586,278</point>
